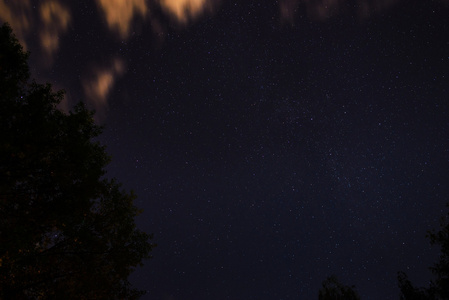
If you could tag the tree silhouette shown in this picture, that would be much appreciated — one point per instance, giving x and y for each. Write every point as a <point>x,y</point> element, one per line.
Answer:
<point>441,268</point>
<point>409,292</point>
<point>332,289</point>
<point>438,289</point>
<point>65,231</point>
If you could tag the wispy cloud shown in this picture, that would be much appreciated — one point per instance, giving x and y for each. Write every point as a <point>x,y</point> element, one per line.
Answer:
<point>51,22</point>
<point>55,19</point>
<point>98,86</point>
<point>18,14</point>
<point>119,14</point>
<point>185,10</point>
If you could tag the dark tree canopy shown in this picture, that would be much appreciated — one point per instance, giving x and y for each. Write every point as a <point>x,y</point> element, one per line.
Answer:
<point>441,268</point>
<point>332,289</point>
<point>65,231</point>
<point>439,288</point>
<point>409,292</point>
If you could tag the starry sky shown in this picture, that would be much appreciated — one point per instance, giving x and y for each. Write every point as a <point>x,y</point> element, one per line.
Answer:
<point>270,143</point>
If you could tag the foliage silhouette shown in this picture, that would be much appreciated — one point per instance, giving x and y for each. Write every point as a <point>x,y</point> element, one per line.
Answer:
<point>332,289</point>
<point>441,268</point>
<point>65,231</point>
<point>409,292</point>
<point>438,289</point>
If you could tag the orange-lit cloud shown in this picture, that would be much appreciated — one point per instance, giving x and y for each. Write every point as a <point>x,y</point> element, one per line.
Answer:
<point>288,9</point>
<point>18,14</point>
<point>184,10</point>
<point>101,83</point>
<point>55,19</point>
<point>324,9</point>
<point>120,13</point>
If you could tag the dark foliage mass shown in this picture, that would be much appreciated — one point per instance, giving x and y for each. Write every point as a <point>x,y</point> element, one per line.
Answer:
<point>333,289</point>
<point>65,231</point>
<point>441,268</point>
<point>439,288</point>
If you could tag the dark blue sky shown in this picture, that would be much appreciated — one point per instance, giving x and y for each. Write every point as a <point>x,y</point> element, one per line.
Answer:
<point>270,143</point>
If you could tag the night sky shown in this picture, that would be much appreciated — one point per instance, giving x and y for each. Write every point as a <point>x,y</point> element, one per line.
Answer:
<point>270,143</point>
